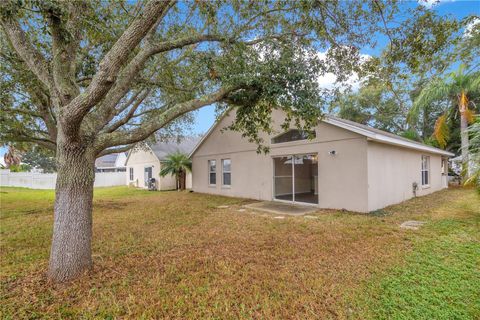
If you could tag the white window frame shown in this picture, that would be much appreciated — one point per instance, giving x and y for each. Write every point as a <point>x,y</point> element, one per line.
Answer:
<point>425,169</point>
<point>210,172</point>
<point>223,173</point>
<point>130,173</point>
<point>145,181</point>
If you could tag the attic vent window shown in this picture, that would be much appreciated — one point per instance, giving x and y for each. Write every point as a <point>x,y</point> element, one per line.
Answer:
<point>293,135</point>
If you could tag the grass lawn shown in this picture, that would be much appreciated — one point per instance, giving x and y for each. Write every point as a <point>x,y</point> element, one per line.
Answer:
<point>176,255</point>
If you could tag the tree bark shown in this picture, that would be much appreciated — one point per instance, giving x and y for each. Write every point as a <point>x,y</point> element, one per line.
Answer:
<point>464,143</point>
<point>71,255</point>
<point>183,177</point>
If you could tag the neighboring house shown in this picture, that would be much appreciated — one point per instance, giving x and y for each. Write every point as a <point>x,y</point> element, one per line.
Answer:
<point>457,166</point>
<point>114,162</point>
<point>346,166</point>
<point>145,162</point>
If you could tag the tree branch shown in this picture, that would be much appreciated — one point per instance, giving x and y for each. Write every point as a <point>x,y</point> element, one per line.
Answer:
<point>66,36</point>
<point>116,150</point>
<point>145,130</point>
<point>129,73</point>
<point>23,137</point>
<point>23,47</point>
<point>23,111</point>
<point>110,65</point>
<point>106,115</point>
<point>130,113</point>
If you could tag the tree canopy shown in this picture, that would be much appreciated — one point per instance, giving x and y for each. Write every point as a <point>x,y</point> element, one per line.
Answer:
<point>393,97</point>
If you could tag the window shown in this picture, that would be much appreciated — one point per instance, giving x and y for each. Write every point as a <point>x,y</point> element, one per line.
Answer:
<point>227,172</point>
<point>444,167</point>
<point>131,174</point>
<point>212,172</point>
<point>425,170</point>
<point>294,135</point>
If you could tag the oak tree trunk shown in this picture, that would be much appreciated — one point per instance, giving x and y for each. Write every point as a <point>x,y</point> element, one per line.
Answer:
<point>464,144</point>
<point>71,254</point>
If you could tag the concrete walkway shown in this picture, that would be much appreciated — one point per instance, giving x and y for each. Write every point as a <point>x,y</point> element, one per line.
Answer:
<point>281,208</point>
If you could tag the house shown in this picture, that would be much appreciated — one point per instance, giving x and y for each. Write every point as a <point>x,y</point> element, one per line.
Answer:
<point>345,166</point>
<point>145,162</point>
<point>114,162</point>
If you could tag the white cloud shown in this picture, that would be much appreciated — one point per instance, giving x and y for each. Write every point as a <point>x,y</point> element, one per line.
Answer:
<point>431,3</point>
<point>467,33</point>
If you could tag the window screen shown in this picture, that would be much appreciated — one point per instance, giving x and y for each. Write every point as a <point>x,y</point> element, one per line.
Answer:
<point>425,170</point>
<point>227,173</point>
<point>212,172</point>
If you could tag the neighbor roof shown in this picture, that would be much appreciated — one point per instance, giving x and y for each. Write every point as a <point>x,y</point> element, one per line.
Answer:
<point>369,132</point>
<point>106,161</point>
<point>163,149</point>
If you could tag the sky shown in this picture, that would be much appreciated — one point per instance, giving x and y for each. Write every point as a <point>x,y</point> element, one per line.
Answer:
<point>205,117</point>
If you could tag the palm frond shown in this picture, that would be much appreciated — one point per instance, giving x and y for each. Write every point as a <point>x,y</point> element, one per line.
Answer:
<point>441,131</point>
<point>474,83</point>
<point>434,91</point>
<point>176,163</point>
<point>410,134</point>
<point>474,178</point>
<point>469,115</point>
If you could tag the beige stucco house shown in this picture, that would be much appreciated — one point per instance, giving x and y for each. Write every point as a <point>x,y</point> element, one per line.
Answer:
<point>346,166</point>
<point>145,162</point>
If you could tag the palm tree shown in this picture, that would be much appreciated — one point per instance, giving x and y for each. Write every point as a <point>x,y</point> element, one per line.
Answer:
<point>456,87</point>
<point>12,157</point>
<point>177,164</point>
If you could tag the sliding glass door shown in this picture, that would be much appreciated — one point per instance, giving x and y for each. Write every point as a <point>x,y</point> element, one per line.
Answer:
<point>283,178</point>
<point>296,178</point>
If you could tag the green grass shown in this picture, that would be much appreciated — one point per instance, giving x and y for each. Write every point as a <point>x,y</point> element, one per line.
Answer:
<point>175,255</point>
<point>440,278</point>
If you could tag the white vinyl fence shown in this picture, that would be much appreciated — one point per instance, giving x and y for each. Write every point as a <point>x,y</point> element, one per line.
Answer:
<point>35,180</point>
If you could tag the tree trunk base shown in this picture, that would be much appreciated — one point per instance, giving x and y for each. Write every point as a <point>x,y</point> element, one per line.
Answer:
<point>71,254</point>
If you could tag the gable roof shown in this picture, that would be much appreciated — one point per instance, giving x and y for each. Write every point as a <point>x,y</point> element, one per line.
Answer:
<point>108,161</point>
<point>366,131</point>
<point>162,149</point>
<point>382,136</point>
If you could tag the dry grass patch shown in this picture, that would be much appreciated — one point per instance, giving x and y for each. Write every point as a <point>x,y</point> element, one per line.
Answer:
<point>176,255</point>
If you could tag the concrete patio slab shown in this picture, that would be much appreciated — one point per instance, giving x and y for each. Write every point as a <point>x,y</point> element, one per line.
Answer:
<point>281,208</point>
<point>412,224</point>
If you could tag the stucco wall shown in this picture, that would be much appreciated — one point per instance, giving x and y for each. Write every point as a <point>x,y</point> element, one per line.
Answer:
<point>138,160</point>
<point>392,171</point>
<point>342,179</point>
